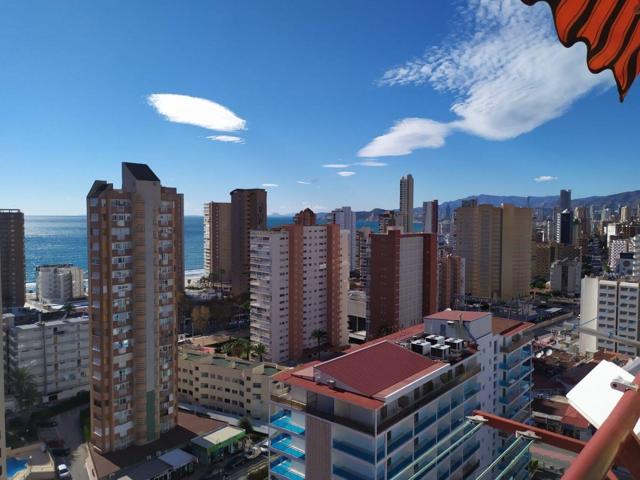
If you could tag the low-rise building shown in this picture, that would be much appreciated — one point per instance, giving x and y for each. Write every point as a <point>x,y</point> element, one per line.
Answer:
<point>56,353</point>
<point>388,408</point>
<point>224,383</point>
<point>58,284</point>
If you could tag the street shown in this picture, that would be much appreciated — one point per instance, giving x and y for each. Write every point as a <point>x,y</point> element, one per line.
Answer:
<point>68,431</point>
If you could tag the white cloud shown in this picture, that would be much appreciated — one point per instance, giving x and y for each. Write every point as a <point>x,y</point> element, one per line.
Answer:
<point>226,138</point>
<point>303,182</point>
<point>508,72</point>
<point>372,163</point>
<point>545,178</point>
<point>336,165</point>
<point>270,185</point>
<point>346,174</point>
<point>196,111</point>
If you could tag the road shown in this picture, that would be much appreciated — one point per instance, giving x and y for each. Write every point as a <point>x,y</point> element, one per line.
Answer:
<point>68,430</point>
<point>242,472</point>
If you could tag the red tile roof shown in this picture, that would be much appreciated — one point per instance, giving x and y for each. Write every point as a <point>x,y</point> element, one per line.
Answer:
<point>458,315</point>
<point>378,368</point>
<point>573,417</point>
<point>508,327</point>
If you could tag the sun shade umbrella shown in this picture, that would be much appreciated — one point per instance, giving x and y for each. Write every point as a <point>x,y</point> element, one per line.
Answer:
<point>609,28</point>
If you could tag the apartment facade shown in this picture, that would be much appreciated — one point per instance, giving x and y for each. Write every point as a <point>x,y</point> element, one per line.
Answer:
<point>363,254</point>
<point>346,219</point>
<point>496,245</point>
<point>402,284</point>
<point>58,284</point>
<point>56,353</point>
<point>248,212</point>
<point>136,269</point>
<point>217,241</point>
<point>566,275</point>
<point>390,219</point>
<point>618,313</point>
<point>306,217</point>
<point>3,432</point>
<point>299,284</point>
<point>12,274</point>
<point>394,407</point>
<point>451,282</point>
<point>226,384</point>
<point>430,216</point>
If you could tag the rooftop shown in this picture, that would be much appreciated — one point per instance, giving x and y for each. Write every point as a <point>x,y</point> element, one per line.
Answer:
<point>458,315</point>
<point>508,327</point>
<point>141,171</point>
<point>378,369</point>
<point>189,426</point>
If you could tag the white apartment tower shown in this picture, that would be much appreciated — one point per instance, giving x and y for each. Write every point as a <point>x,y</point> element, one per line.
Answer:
<point>59,283</point>
<point>299,282</point>
<point>397,407</point>
<point>406,202</point>
<point>136,271</point>
<point>346,219</point>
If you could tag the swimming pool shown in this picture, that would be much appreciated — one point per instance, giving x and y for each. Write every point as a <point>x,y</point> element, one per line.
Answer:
<point>15,466</point>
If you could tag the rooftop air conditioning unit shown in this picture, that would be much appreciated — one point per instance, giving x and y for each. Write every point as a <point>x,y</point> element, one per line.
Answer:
<point>456,344</point>
<point>421,346</point>
<point>432,339</point>
<point>440,351</point>
<point>439,340</point>
<point>331,384</point>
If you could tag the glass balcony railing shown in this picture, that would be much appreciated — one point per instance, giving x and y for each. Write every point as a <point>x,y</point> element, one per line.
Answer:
<point>398,441</point>
<point>456,464</point>
<point>284,444</point>
<point>443,411</point>
<point>397,467</point>
<point>425,447</point>
<point>283,421</point>
<point>422,424</point>
<point>283,467</point>
<point>354,451</point>
<point>348,474</point>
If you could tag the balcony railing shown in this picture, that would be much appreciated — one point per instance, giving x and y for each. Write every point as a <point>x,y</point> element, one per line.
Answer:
<point>398,441</point>
<point>426,423</point>
<point>354,451</point>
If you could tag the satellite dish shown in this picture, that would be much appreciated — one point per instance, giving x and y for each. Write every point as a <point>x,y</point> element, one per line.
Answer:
<point>548,352</point>
<point>539,354</point>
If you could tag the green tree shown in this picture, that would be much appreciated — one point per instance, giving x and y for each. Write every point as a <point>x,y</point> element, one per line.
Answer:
<point>259,349</point>
<point>25,391</point>
<point>319,335</point>
<point>67,308</point>
<point>245,424</point>
<point>240,347</point>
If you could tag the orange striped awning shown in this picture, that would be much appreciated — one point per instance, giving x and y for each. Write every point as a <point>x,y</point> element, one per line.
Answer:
<point>609,28</point>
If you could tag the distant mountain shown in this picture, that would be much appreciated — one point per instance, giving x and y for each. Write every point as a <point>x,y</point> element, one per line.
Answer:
<point>610,201</point>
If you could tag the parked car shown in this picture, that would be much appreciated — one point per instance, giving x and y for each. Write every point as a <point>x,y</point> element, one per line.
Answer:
<point>63,472</point>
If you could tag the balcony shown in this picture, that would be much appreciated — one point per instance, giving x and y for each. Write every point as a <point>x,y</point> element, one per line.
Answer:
<point>283,444</point>
<point>397,467</point>
<point>456,464</point>
<point>425,423</point>
<point>283,421</point>
<point>443,411</point>
<point>509,399</point>
<point>470,451</point>
<point>354,451</point>
<point>282,467</point>
<point>399,441</point>
<point>348,474</point>
<point>422,449</point>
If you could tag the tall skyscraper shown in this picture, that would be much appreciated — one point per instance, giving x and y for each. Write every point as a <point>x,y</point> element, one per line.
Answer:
<point>248,212</point>
<point>363,254</point>
<point>625,214</point>
<point>564,227</point>
<point>136,270</point>
<point>299,285</point>
<point>217,240</point>
<point>12,255</point>
<point>344,217</point>
<point>406,202</point>
<point>451,284</point>
<point>430,216</point>
<point>565,200</point>
<point>3,432</point>
<point>403,280</point>
<point>388,219</point>
<point>496,245</point>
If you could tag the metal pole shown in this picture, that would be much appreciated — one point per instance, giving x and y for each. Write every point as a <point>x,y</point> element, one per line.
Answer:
<point>500,457</point>
<point>514,461</point>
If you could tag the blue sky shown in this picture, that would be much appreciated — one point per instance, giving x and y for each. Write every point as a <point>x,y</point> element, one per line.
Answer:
<point>470,96</point>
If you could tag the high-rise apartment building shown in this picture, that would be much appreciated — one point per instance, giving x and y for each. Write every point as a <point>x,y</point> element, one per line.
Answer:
<point>385,410</point>
<point>451,284</point>
<point>217,241</point>
<point>625,213</point>
<point>248,212</point>
<point>564,227</point>
<point>12,257</point>
<point>389,219</point>
<point>136,270</point>
<point>299,285</point>
<point>612,307</point>
<point>363,254</point>
<point>58,284</point>
<point>635,249</point>
<point>496,245</point>
<point>56,353</point>
<point>565,276</point>
<point>3,431</point>
<point>305,217</point>
<point>402,285</point>
<point>430,216</point>
<point>406,202</point>
<point>565,200</point>
<point>346,218</point>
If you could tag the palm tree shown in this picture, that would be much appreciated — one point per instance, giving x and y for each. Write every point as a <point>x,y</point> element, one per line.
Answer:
<point>319,335</point>
<point>259,349</point>
<point>67,308</point>
<point>25,390</point>
<point>245,424</point>
<point>240,347</point>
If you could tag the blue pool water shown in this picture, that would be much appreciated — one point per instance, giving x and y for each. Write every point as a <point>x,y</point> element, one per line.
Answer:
<point>14,466</point>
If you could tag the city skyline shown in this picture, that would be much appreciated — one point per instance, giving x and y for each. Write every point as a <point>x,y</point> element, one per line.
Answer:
<point>129,90</point>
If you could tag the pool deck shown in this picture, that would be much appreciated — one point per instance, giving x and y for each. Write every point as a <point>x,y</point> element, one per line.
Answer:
<point>40,465</point>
